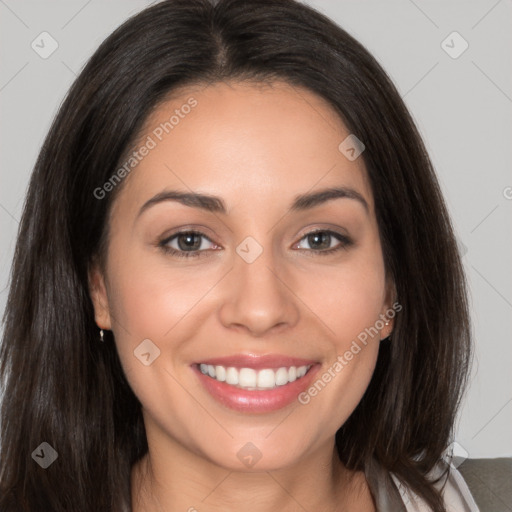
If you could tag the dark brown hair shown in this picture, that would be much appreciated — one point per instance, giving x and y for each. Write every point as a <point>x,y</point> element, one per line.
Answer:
<point>63,387</point>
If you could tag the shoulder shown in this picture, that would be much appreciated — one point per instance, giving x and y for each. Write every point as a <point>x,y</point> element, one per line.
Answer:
<point>476,485</point>
<point>455,491</point>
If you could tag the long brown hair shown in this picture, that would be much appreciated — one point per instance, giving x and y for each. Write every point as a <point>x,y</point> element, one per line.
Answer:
<point>63,387</point>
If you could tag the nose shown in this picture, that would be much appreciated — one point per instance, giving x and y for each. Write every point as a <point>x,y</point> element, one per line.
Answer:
<point>257,297</point>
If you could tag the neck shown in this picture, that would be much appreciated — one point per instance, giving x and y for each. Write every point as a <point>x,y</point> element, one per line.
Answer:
<point>180,480</point>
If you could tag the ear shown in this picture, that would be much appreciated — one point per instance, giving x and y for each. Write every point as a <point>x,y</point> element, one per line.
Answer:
<point>391,308</point>
<point>98,293</point>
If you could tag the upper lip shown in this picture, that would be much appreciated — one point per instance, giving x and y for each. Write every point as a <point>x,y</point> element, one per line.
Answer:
<point>257,362</point>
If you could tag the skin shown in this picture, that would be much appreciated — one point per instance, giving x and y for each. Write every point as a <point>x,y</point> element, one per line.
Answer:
<point>257,147</point>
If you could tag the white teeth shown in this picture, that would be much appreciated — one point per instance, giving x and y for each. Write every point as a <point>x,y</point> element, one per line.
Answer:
<point>282,376</point>
<point>248,378</point>
<point>220,373</point>
<point>266,379</point>
<point>232,376</point>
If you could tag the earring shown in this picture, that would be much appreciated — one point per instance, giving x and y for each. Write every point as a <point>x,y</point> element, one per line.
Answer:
<point>388,337</point>
<point>101,336</point>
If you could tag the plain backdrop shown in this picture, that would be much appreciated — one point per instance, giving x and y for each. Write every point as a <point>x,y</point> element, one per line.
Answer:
<point>460,98</point>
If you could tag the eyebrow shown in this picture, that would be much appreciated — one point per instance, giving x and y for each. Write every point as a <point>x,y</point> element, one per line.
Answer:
<point>215,204</point>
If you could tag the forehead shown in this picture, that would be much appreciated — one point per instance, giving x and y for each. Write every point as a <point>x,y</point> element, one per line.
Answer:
<point>240,139</point>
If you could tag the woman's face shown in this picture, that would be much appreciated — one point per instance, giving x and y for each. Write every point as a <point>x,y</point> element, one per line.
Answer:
<point>255,292</point>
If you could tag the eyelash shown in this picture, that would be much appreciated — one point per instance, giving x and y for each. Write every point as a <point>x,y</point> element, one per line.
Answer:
<point>345,242</point>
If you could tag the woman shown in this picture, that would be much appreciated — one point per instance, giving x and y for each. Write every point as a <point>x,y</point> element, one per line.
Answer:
<point>236,283</point>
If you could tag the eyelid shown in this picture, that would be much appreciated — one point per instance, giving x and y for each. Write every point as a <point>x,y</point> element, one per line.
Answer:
<point>314,228</point>
<point>344,240</point>
<point>190,228</point>
<point>194,231</point>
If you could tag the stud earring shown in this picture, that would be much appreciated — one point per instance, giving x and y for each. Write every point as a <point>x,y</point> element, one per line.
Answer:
<point>101,336</point>
<point>388,337</point>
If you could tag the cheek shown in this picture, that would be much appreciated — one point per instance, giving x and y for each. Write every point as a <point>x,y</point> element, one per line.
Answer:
<point>347,298</point>
<point>150,300</point>
<point>353,349</point>
<point>147,301</point>
<point>348,301</point>
<point>149,297</point>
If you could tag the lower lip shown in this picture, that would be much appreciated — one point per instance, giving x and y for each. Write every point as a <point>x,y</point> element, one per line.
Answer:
<point>259,401</point>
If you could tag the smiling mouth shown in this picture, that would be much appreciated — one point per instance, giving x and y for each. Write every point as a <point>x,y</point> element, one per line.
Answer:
<point>250,379</point>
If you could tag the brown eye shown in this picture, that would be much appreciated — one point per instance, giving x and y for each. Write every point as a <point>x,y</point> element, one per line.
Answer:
<point>189,241</point>
<point>187,244</point>
<point>323,242</point>
<point>319,240</point>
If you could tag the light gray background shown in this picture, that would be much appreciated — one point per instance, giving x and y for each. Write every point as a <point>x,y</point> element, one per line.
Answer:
<point>462,107</point>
